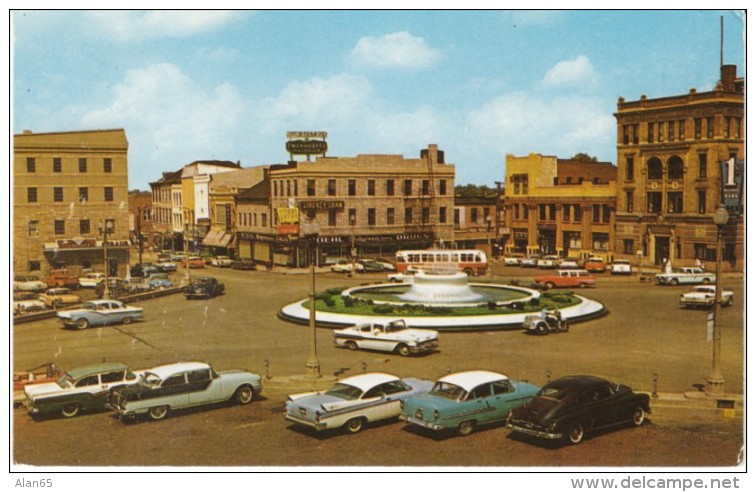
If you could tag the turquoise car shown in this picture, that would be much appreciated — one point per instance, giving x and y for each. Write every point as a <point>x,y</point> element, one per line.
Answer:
<point>466,400</point>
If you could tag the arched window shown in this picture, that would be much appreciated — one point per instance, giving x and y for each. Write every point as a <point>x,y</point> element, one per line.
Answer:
<point>654,168</point>
<point>675,168</point>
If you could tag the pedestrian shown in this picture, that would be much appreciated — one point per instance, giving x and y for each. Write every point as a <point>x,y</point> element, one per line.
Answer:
<point>699,264</point>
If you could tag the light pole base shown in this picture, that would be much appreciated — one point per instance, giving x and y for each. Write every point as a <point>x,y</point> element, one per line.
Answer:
<point>313,370</point>
<point>715,386</point>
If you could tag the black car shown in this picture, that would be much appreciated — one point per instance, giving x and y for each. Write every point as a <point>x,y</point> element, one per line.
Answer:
<point>243,265</point>
<point>204,288</point>
<point>569,407</point>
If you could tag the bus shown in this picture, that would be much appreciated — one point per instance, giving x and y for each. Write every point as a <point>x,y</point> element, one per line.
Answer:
<point>471,261</point>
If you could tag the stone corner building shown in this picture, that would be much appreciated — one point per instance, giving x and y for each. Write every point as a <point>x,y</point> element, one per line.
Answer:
<point>669,150</point>
<point>65,186</point>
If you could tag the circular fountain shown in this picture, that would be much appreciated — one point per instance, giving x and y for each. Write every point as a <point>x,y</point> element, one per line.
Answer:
<point>436,288</point>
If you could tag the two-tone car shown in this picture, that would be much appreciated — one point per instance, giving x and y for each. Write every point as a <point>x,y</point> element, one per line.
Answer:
<point>90,280</point>
<point>705,296</point>
<point>569,407</point>
<point>77,390</point>
<point>100,312</point>
<point>172,387</point>
<point>393,336</point>
<point>354,401</point>
<point>28,283</point>
<point>221,261</point>
<point>685,275</point>
<point>58,297</point>
<point>621,267</point>
<point>466,400</point>
<point>27,302</point>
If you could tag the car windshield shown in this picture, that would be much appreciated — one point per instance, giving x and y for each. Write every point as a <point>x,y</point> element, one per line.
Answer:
<point>395,326</point>
<point>344,391</point>
<point>65,381</point>
<point>447,390</point>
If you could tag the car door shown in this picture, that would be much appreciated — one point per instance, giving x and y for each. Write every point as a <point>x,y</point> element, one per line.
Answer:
<point>597,405</point>
<point>174,391</point>
<point>505,397</point>
<point>383,401</point>
<point>204,387</point>
<point>482,404</point>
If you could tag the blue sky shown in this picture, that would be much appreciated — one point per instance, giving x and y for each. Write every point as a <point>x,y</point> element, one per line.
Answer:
<point>481,84</point>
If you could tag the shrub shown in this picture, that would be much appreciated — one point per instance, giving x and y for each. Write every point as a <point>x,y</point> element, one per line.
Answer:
<point>383,309</point>
<point>334,291</point>
<point>349,301</point>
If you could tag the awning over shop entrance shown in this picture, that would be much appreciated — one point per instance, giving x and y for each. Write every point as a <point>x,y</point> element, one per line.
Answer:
<point>217,238</point>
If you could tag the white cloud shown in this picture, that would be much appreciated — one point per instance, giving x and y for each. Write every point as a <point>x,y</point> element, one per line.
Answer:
<point>410,130</point>
<point>537,18</point>
<point>395,50</point>
<point>133,25</point>
<point>219,55</point>
<point>571,72</point>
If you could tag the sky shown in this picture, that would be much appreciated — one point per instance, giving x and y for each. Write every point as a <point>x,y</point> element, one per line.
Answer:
<point>228,85</point>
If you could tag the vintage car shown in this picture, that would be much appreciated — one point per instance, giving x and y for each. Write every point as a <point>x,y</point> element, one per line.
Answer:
<point>387,265</point>
<point>27,302</point>
<point>685,275</point>
<point>545,322</point>
<point>84,388</point>
<point>138,285</point>
<point>393,336</point>
<point>621,267</point>
<point>160,281</point>
<point>566,278</point>
<point>166,265</point>
<point>569,407</point>
<point>704,296</point>
<point>347,266</point>
<point>193,262</point>
<point>466,400</point>
<point>530,262</point>
<point>45,373</point>
<point>58,297</point>
<point>513,259</point>
<point>28,282</point>
<point>548,261</point>
<point>567,263</point>
<point>144,270</point>
<point>595,265</point>
<point>171,387</point>
<point>243,265</point>
<point>370,265</point>
<point>90,280</point>
<point>204,288</point>
<point>354,401</point>
<point>117,287</point>
<point>221,261</point>
<point>406,277</point>
<point>61,278</point>
<point>100,312</point>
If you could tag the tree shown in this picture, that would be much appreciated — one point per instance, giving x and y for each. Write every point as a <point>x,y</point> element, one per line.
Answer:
<point>583,157</point>
<point>474,190</point>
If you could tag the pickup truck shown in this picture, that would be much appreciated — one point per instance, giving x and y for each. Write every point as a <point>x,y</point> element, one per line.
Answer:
<point>61,278</point>
<point>685,275</point>
<point>204,288</point>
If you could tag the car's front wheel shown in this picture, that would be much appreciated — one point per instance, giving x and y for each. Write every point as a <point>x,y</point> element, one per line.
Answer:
<point>244,394</point>
<point>355,425</point>
<point>466,427</point>
<point>158,413</point>
<point>403,350</point>
<point>70,410</point>
<point>549,285</point>
<point>82,323</point>
<point>577,433</point>
<point>351,345</point>
<point>638,417</point>
<point>541,328</point>
<point>127,320</point>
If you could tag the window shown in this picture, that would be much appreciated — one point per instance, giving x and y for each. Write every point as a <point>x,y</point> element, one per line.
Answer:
<point>681,130</point>
<point>60,227</point>
<point>525,212</point>
<point>566,213</point>
<point>675,202</point>
<point>84,226</point>
<point>107,165</point>
<point>482,391</point>
<point>660,131</point>
<point>288,187</point>
<point>390,217</point>
<point>606,213</point>
<point>442,187</point>
<point>389,187</point>
<point>426,187</point>
<point>710,127</point>
<point>702,165</point>
<point>671,131</point>
<point>352,187</point>
<point>407,187</point>
<point>578,213</point>
<point>296,187</point>
<point>108,193</point>
<point>35,266</point>
<point>174,380</point>
<point>83,194</point>
<point>371,216</point>
<point>628,246</point>
<point>654,200</point>
<point>516,211</point>
<point>601,241</point>
<point>474,215</point>
<point>552,211</point>
<point>310,187</point>
<point>650,132</point>
<point>625,134</point>
<point>31,195</point>
<point>654,168</point>
<point>501,387</point>
<point>31,165</point>
<point>408,215</point>
<point>331,187</point>
<point>32,227</point>
<point>57,165</point>
<point>332,217</point>
<point>371,187</point>
<point>542,212</point>
<point>697,122</point>
<point>88,381</point>
<point>442,215</point>
<point>701,201</point>
<point>199,375</point>
<point>727,121</point>
<point>58,194</point>
<point>628,201</point>
<point>112,377</point>
<point>629,168</point>
<point>555,180</point>
<point>596,213</point>
<point>82,164</point>
<point>352,216</point>
<point>675,168</point>
<point>263,220</point>
<point>426,215</point>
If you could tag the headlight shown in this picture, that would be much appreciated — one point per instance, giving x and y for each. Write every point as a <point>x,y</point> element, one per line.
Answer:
<point>436,415</point>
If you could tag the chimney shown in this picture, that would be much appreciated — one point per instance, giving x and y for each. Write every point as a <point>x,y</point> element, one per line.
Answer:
<point>728,74</point>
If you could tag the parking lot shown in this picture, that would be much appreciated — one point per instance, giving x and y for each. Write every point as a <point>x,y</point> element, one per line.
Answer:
<point>646,341</point>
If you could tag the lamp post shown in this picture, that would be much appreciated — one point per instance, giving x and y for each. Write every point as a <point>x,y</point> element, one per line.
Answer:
<point>105,229</point>
<point>715,381</point>
<point>310,231</point>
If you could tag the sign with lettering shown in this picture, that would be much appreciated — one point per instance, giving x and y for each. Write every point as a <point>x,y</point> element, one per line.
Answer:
<point>321,204</point>
<point>732,174</point>
<point>295,135</point>
<point>288,215</point>
<point>306,147</point>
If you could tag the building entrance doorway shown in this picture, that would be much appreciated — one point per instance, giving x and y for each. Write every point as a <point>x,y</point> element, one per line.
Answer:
<point>661,249</point>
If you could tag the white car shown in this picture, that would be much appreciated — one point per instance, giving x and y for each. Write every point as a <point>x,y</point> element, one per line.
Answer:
<point>529,262</point>
<point>406,277</point>
<point>704,296</point>
<point>548,261</point>
<point>346,266</point>
<point>90,280</point>
<point>389,267</point>
<point>567,263</point>
<point>354,401</point>
<point>685,275</point>
<point>27,302</point>
<point>513,260</point>
<point>621,267</point>
<point>28,282</point>
<point>221,261</point>
<point>393,336</point>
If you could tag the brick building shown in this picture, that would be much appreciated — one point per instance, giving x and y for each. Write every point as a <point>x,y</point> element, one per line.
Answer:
<point>669,150</point>
<point>66,186</point>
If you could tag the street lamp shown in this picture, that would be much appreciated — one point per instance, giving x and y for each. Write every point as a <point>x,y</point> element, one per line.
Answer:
<point>715,381</point>
<point>105,229</point>
<point>310,231</point>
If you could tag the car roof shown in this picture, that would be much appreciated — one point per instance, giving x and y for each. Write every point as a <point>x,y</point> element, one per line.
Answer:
<point>103,301</point>
<point>468,380</point>
<point>167,370</point>
<point>577,382</point>
<point>366,381</point>
<point>80,372</point>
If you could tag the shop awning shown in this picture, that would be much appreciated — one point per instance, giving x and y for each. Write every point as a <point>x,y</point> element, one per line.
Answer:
<point>217,238</point>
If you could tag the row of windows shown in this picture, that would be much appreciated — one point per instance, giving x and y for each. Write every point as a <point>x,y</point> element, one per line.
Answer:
<point>289,187</point>
<point>674,204</point>
<point>57,165</point>
<point>670,131</point>
<point>59,226</point>
<point>370,218</point>
<point>600,213</point>
<point>32,194</point>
